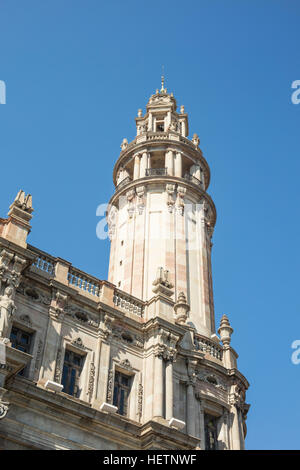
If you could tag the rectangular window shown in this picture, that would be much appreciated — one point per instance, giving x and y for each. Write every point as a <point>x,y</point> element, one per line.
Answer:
<point>21,340</point>
<point>122,386</point>
<point>72,369</point>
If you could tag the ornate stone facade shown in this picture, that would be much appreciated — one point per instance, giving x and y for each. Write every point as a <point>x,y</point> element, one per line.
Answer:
<point>152,323</point>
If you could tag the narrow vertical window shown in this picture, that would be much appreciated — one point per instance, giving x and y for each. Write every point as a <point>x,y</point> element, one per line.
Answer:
<point>122,386</point>
<point>72,369</point>
<point>21,340</point>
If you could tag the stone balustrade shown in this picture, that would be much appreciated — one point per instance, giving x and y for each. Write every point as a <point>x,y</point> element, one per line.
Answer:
<point>43,261</point>
<point>156,172</point>
<point>128,303</point>
<point>193,179</point>
<point>84,282</point>
<point>124,182</point>
<point>208,346</point>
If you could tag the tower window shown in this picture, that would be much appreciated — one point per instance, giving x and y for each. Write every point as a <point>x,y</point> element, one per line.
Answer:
<point>211,432</point>
<point>122,387</point>
<point>72,369</point>
<point>121,262</point>
<point>160,126</point>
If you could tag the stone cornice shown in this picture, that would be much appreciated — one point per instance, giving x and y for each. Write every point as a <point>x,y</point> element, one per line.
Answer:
<point>162,180</point>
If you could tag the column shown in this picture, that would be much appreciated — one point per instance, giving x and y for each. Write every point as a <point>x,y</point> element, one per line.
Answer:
<point>178,165</point>
<point>169,162</point>
<point>150,123</point>
<point>235,429</point>
<point>143,164</point>
<point>202,427</point>
<point>102,383</point>
<point>158,387</point>
<point>169,390</point>
<point>190,416</point>
<point>52,362</point>
<point>223,443</point>
<point>197,173</point>
<point>136,169</point>
<point>242,439</point>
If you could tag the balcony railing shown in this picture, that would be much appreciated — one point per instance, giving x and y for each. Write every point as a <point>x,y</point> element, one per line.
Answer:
<point>156,172</point>
<point>193,179</point>
<point>84,282</point>
<point>43,261</point>
<point>208,347</point>
<point>124,182</point>
<point>128,303</point>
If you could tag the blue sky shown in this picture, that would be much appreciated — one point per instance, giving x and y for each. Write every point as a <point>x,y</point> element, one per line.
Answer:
<point>77,71</point>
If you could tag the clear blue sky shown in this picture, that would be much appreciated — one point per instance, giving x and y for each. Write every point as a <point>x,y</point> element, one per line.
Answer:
<point>77,71</point>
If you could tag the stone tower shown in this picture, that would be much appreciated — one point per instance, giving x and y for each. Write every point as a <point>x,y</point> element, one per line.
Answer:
<point>161,214</point>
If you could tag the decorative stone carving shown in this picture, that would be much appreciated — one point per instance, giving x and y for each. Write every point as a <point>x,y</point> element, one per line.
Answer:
<point>34,294</point>
<point>109,386</point>
<point>140,400</point>
<point>170,189</point>
<point>25,319</point>
<point>181,309</point>
<point>196,140</point>
<point>180,199</point>
<point>140,191</point>
<point>78,343</point>
<point>58,304</point>
<point>205,376</point>
<point>91,380</point>
<point>3,404</point>
<point>161,283</point>
<point>111,221</point>
<point>81,316</point>
<point>7,309</point>
<point>11,267</point>
<point>130,197</point>
<point>23,201</point>
<point>58,370</point>
<point>125,364</point>
<point>124,144</point>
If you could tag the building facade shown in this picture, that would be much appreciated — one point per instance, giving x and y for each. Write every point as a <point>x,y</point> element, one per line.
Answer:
<point>133,362</point>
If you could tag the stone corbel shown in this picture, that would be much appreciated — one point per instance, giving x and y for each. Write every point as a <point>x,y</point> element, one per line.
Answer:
<point>180,199</point>
<point>58,304</point>
<point>162,284</point>
<point>140,191</point>
<point>170,189</point>
<point>111,221</point>
<point>130,197</point>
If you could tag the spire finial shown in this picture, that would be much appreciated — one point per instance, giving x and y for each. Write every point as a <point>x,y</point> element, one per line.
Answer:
<point>163,79</point>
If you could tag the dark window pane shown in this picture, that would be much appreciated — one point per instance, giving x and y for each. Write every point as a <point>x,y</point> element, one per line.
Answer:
<point>121,392</point>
